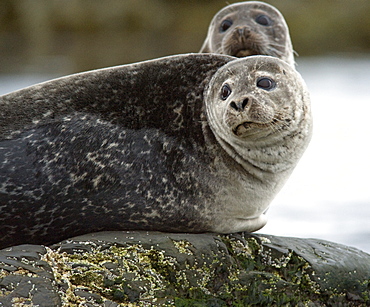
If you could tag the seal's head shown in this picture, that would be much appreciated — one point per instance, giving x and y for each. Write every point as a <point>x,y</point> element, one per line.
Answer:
<point>260,102</point>
<point>249,28</point>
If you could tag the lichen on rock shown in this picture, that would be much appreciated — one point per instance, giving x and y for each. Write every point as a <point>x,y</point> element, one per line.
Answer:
<point>153,268</point>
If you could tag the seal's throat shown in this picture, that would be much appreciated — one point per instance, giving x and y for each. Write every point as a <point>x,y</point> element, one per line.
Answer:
<point>258,162</point>
<point>249,166</point>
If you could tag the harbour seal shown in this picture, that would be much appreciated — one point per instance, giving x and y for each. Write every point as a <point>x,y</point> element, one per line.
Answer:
<point>249,28</point>
<point>186,143</point>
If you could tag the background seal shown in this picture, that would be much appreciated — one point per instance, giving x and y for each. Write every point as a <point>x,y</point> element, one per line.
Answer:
<point>249,28</point>
<point>167,144</point>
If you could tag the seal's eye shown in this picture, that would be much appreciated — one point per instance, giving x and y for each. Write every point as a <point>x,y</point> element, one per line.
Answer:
<point>225,91</point>
<point>225,25</point>
<point>264,20</point>
<point>266,83</point>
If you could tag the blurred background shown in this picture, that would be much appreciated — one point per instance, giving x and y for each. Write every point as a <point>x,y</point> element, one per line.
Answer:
<point>64,36</point>
<point>328,195</point>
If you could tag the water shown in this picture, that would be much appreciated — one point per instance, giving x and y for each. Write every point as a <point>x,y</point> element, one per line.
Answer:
<point>9,83</point>
<point>328,195</point>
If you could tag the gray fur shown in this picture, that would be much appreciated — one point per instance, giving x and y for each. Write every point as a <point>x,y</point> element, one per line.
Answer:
<point>128,147</point>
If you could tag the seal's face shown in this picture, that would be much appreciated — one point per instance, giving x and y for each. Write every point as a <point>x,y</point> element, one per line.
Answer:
<point>253,98</point>
<point>250,107</point>
<point>250,28</point>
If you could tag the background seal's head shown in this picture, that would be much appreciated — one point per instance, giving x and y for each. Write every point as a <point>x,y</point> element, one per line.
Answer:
<point>249,28</point>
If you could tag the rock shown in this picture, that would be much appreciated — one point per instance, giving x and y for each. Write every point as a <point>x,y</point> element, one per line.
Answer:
<point>153,268</point>
<point>26,278</point>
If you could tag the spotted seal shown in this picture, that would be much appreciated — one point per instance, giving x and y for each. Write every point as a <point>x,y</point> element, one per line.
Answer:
<point>186,143</point>
<point>249,28</point>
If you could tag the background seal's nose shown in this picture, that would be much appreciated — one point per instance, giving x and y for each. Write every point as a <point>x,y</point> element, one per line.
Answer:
<point>243,31</point>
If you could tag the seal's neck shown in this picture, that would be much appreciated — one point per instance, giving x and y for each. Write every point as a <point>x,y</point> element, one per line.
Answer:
<point>251,166</point>
<point>262,159</point>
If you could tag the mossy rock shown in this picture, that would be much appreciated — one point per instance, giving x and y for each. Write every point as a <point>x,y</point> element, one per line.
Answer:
<point>153,268</point>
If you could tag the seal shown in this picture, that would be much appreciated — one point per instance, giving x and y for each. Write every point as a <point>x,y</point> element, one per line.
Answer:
<point>249,28</point>
<point>186,143</point>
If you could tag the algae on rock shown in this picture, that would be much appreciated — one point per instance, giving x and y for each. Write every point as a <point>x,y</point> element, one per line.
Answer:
<point>153,268</point>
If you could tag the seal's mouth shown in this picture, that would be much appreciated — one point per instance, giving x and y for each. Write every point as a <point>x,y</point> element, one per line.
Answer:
<point>242,128</point>
<point>245,45</point>
<point>243,53</point>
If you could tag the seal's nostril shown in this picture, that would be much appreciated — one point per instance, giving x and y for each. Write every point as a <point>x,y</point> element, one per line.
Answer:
<point>243,31</point>
<point>245,102</point>
<point>240,105</point>
<point>234,106</point>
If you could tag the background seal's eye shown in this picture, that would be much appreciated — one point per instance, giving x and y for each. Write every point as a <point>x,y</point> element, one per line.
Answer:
<point>225,25</point>
<point>264,20</point>
<point>266,83</point>
<point>225,91</point>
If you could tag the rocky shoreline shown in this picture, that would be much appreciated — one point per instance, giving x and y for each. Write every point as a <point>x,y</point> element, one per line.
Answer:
<point>153,268</point>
